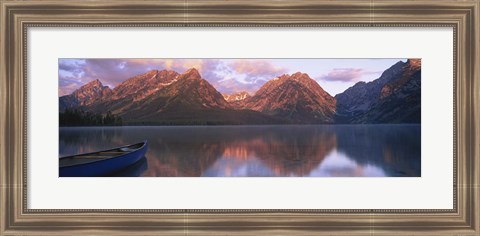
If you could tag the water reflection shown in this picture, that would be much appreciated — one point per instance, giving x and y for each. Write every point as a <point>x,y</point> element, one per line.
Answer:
<point>312,150</point>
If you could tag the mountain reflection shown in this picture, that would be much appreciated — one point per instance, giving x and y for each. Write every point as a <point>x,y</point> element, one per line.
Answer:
<point>303,150</point>
<point>395,148</point>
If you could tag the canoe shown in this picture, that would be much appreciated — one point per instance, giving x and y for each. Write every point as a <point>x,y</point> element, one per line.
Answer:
<point>134,170</point>
<point>101,163</point>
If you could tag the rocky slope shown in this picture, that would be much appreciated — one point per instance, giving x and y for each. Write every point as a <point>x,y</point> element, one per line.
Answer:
<point>294,97</point>
<point>125,96</point>
<point>86,95</point>
<point>141,86</point>
<point>395,97</point>
<point>237,100</point>
<point>188,93</point>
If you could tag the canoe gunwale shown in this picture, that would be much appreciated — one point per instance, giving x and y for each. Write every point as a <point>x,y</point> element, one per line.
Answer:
<point>103,158</point>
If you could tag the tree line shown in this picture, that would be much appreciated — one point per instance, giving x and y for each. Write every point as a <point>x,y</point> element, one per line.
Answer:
<point>75,117</point>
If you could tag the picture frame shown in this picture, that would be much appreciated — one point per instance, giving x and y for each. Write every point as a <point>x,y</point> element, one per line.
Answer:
<point>17,16</point>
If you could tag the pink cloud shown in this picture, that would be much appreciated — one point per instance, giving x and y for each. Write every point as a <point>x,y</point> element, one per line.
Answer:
<point>345,74</point>
<point>233,86</point>
<point>226,75</point>
<point>68,88</point>
<point>257,68</point>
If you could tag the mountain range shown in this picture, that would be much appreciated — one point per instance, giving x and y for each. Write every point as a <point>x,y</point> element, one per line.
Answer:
<point>167,97</point>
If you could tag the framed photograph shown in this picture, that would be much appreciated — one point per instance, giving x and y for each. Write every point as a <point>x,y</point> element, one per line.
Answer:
<point>247,118</point>
<point>240,117</point>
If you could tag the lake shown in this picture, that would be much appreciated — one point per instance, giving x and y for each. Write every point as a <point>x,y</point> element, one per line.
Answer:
<point>259,151</point>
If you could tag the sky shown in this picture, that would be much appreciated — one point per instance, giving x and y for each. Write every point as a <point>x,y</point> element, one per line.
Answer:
<point>226,75</point>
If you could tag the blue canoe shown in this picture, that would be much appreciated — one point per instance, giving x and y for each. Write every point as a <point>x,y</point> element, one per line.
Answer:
<point>102,163</point>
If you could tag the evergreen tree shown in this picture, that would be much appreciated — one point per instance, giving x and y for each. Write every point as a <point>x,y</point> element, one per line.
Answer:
<point>76,117</point>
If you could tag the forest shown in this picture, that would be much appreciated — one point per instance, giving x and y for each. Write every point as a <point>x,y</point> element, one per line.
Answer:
<point>77,117</point>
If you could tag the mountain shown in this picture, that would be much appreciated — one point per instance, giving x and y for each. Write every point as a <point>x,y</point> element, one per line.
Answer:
<point>125,95</point>
<point>236,96</point>
<point>88,94</point>
<point>141,86</point>
<point>395,97</point>
<point>295,97</point>
<point>169,98</point>
<point>177,99</point>
<point>188,92</point>
<point>237,100</point>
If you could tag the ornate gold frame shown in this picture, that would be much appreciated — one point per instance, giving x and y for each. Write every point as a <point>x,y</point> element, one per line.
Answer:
<point>17,16</point>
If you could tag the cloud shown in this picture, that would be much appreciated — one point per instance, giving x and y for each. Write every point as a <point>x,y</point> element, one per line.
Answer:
<point>343,74</point>
<point>223,76</point>
<point>70,73</point>
<point>346,74</point>
<point>245,75</point>
<point>257,68</point>
<point>231,76</point>
<point>74,72</point>
<point>230,86</point>
<point>67,85</point>
<point>227,76</point>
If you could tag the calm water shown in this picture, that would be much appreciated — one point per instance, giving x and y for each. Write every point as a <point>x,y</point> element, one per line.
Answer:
<point>303,150</point>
